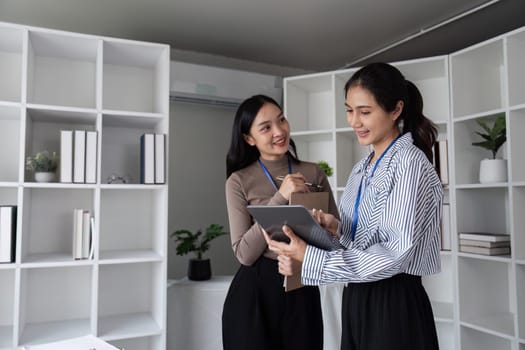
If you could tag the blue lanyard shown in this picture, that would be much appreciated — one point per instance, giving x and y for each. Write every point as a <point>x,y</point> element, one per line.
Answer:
<point>267,173</point>
<point>355,217</point>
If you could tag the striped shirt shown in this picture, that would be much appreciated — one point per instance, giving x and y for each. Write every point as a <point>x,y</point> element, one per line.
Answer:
<point>398,229</point>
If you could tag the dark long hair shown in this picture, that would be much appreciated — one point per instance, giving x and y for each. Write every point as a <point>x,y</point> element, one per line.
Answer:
<point>241,154</point>
<point>388,85</point>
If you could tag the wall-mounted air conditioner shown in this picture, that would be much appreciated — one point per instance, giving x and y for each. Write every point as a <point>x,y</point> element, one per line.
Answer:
<point>219,86</point>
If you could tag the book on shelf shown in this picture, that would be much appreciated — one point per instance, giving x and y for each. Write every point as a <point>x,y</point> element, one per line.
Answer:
<point>440,160</point>
<point>478,243</point>
<point>86,233</point>
<point>485,250</point>
<point>160,158</point>
<point>66,156</point>
<point>79,156</point>
<point>91,157</point>
<point>147,159</point>
<point>81,234</point>
<point>7,233</point>
<point>446,239</point>
<point>485,236</point>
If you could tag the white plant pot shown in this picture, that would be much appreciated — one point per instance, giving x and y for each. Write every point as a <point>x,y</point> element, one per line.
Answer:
<point>493,170</point>
<point>44,177</point>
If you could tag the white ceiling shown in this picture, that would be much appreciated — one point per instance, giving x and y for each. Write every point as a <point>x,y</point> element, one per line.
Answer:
<point>311,35</point>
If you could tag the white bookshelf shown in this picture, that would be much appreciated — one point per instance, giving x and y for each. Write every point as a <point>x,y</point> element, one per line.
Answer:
<point>478,301</point>
<point>486,80</point>
<point>54,80</point>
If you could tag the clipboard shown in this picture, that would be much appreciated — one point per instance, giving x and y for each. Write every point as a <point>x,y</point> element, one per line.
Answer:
<point>273,217</point>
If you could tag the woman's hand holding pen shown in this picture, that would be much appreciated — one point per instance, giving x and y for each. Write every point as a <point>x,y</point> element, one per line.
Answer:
<point>327,221</point>
<point>293,183</point>
<point>291,255</point>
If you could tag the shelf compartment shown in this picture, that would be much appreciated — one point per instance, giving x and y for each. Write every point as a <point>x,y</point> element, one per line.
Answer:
<point>310,103</point>
<point>474,92</point>
<point>62,69</point>
<point>316,147</point>
<point>446,335</point>
<point>43,129</point>
<point>517,144</point>
<point>132,232</point>
<point>440,289</point>
<point>516,73</point>
<point>349,152</point>
<point>431,78</point>
<point>140,343</point>
<point>468,157</point>
<point>483,210</point>
<point>47,231</point>
<point>518,200</point>
<point>484,295</point>
<point>129,302</point>
<point>11,48</point>
<point>520,286</point>
<point>57,303</point>
<point>121,145</point>
<point>7,302</point>
<point>135,77</point>
<point>472,339</point>
<point>9,143</point>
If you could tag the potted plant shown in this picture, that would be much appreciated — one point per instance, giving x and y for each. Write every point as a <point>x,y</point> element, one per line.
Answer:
<point>326,167</point>
<point>198,242</point>
<point>493,169</point>
<point>43,165</point>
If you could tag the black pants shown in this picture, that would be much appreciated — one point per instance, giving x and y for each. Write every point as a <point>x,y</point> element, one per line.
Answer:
<point>258,314</point>
<point>393,314</point>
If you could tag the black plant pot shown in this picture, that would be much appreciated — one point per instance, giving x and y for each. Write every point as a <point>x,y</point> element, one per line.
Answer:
<point>199,270</point>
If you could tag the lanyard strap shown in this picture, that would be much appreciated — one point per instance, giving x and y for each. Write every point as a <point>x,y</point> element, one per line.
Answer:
<point>267,173</point>
<point>355,216</point>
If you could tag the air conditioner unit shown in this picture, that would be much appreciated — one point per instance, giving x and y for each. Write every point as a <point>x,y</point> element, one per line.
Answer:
<point>202,84</point>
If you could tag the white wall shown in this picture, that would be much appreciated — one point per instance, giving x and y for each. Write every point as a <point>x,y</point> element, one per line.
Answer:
<point>199,140</point>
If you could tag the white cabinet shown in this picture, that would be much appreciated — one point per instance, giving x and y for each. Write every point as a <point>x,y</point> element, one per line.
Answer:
<point>478,300</point>
<point>51,81</point>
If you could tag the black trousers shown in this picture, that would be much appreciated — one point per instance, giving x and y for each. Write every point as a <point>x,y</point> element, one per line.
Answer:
<point>258,314</point>
<point>393,314</point>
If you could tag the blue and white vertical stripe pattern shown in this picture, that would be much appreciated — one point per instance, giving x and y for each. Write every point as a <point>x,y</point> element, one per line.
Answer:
<point>398,230</point>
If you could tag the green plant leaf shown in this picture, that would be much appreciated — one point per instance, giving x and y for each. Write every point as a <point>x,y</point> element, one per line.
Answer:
<point>198,243</point>
<point>494,136</point>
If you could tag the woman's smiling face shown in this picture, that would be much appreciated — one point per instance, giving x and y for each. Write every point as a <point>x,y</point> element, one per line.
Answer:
<point>371,123</point>
<point>270,132</point>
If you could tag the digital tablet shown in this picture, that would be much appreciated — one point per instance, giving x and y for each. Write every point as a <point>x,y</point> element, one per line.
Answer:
<point>273,217</point>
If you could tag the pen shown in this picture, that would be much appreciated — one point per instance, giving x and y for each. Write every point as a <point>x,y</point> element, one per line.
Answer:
<point>309,184</point>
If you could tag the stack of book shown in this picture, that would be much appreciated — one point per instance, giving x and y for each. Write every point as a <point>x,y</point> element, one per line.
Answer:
<point>78,156</point>
<point>484,243</point>
<point>152,159</point>
<point>7,233</point>
<point>82,234</point>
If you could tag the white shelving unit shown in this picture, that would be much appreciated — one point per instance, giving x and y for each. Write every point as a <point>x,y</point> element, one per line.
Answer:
<point>54,80</point>
<point>487,80</point>
<point>477,300</point>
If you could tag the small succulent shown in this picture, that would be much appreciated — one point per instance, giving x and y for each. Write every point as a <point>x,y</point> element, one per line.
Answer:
<point>42,162</point>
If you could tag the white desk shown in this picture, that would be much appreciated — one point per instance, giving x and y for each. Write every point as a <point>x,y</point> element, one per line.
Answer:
<point>195,313</point>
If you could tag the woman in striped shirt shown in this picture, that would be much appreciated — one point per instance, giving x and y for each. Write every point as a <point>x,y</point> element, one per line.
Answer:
<point>390,220</point>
